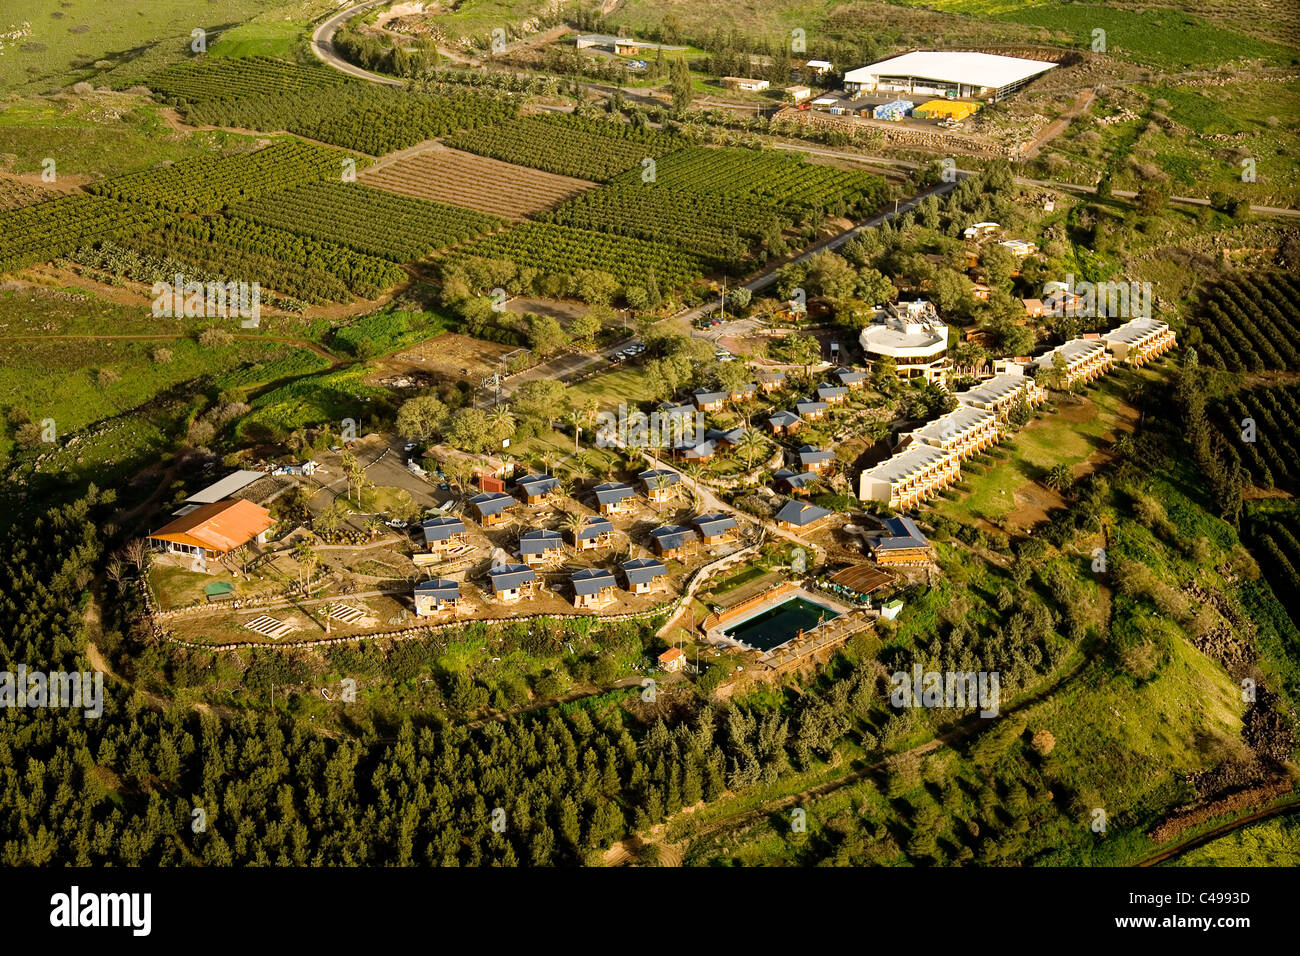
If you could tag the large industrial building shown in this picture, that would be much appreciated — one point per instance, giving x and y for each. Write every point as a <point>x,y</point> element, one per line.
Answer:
<point>954,74</point>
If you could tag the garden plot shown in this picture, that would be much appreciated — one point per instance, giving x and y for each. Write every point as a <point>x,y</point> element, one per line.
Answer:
<point>474,182</point>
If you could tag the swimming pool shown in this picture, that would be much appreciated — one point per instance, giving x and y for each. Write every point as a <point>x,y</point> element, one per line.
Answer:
<point>776,625</point>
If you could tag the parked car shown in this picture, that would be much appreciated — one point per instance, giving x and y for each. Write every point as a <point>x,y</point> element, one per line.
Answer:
<point>395,523</point>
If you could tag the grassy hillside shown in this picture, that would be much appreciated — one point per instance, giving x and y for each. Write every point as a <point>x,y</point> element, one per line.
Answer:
<point>51,43</point>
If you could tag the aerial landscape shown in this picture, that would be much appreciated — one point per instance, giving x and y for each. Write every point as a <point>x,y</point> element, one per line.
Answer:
<point>650,433</point>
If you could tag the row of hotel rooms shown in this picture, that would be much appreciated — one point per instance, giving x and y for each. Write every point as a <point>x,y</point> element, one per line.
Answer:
<point>929,458</point>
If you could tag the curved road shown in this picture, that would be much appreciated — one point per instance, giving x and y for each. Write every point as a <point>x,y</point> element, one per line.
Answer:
<point>322,44</point>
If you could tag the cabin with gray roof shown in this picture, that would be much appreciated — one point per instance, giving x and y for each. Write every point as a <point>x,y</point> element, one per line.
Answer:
<point>540,545</point>
<point>443,532</point>
<point>707,401</point>
<point>437,595</point>
<point>596,532</point>
<point>811,408</point>
<point>816,459</point>
<point>902,543</point>
<point>668,541</point>
<point>714,527</point>
<point>795,482</point>
<point>800,515</point>
<point>490,506</point>
<point>832,394</point>
<point>510,582</point>
<point>658,482</point>
<point>535,488</point>
<point>784,422</point>
<point>592,587</point>
<point>612,495</point>
<point>643,574</point>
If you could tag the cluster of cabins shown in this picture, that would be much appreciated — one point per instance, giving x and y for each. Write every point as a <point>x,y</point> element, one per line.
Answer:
<point>591,588</point>
<point>929,458</point>
<point>814,407</point>
<point>810,408</point>
<point>541,548</point>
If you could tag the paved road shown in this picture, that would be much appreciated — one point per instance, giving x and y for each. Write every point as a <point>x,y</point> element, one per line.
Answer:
<point>562,368</point>
<point>323,46</point>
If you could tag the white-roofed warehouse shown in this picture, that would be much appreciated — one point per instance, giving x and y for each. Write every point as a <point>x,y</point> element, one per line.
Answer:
<point>947,73</point>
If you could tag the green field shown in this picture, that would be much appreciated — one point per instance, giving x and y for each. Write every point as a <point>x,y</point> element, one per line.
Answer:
<point>1067,436</point>
<point>68,37</point>
<point>98,135</point>
<point>1273,842</point>
<point>1161,36</point>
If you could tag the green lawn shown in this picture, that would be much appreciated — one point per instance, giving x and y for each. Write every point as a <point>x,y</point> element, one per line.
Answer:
<point>77,383</point>
<point>1067,437</point>
<point>612,387</point>
<point>260,38</point>
<point>1125,748</point>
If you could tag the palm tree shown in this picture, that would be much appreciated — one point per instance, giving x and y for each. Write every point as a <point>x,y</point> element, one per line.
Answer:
<point>574,420</point>
<point>502,420</point>
<point>1059,478</point>
<point>373,524</point>
<point>751,444</point>
<point>310,565</point>
<point>303,554</point>
<point>574,521</point>
<point>694,470</point>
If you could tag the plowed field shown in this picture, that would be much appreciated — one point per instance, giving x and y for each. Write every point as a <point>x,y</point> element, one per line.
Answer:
<point>475,182</point>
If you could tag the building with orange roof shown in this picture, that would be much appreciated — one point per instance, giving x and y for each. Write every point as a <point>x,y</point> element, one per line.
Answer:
<point>672,660</point>
<point>212,530</point>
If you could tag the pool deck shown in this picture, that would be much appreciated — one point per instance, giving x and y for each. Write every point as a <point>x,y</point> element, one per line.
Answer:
<point>716,635</point>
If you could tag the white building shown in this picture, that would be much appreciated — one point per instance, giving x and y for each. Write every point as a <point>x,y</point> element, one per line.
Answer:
<point>947,73</point>
<point>1138,341</point>
<point>999,393</point>
<point>1084,360</point>
<point>909,477</point>
<point>913,335</point>
<point>747,83</point>
<point>980,230</point>
<point>964,431</point>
